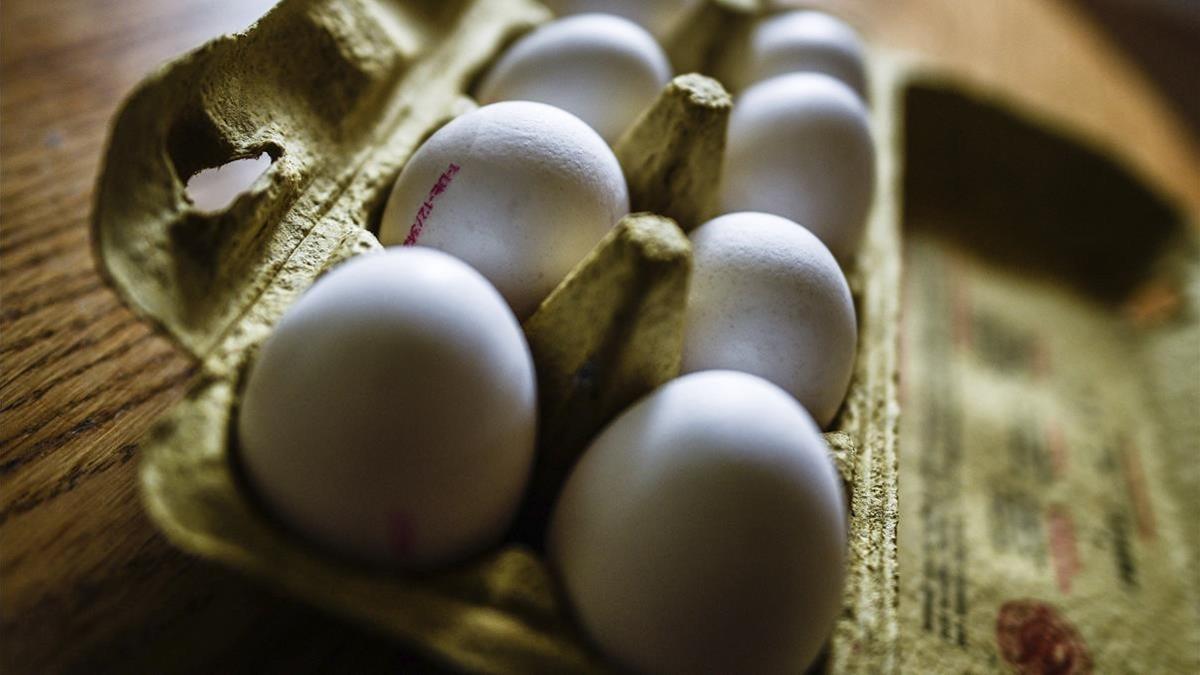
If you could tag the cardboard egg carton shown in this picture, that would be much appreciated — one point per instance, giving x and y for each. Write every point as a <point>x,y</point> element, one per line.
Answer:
<point>339,93</point>
<point>1051,346</point>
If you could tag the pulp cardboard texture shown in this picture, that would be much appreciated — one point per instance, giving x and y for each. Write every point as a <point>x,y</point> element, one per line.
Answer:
<point>340,93</point>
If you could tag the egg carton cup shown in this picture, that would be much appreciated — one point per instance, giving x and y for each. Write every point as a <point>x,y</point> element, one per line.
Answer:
<point>339,94</point>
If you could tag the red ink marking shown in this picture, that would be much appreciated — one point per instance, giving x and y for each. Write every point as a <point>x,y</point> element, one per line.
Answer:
<point>426,208</point>
<point>1135,479</point>
<point>402,535</point>
<point>1057,444</point>
<point>1037,639</point>
<point>1063,553</point>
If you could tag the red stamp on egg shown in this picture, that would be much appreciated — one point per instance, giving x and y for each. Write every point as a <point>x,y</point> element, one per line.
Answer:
<point>426,208</point>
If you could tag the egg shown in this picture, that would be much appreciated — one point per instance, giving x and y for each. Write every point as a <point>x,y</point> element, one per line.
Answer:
<point>391,414</point>
<point>602,68</point>
<point>660,17</point>
<point>800,146</point>
<point>703,531</point>
<point>801,41</point>
<point>768,298</point>
<point>521,191</point>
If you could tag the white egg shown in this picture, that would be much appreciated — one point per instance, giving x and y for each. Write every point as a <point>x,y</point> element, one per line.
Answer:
<point>660,17</point>
<point>521,191</point>
<point>768,298</point>
<point>392,413</point>
<point>801,41</point>
<point>800,146</point>
<point>599,67</point>
<point>703,531</point>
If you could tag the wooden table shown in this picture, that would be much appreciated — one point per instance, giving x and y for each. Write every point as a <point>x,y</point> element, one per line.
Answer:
<point>86,582</point>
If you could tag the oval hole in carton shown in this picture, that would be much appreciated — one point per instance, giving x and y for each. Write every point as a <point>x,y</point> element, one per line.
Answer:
<point>215,189</point>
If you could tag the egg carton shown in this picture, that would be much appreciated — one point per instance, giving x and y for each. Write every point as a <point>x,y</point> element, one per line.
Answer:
<point>339,94</point>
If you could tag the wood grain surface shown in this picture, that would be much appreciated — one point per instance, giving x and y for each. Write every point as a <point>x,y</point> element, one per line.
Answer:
<point>86,583</point>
